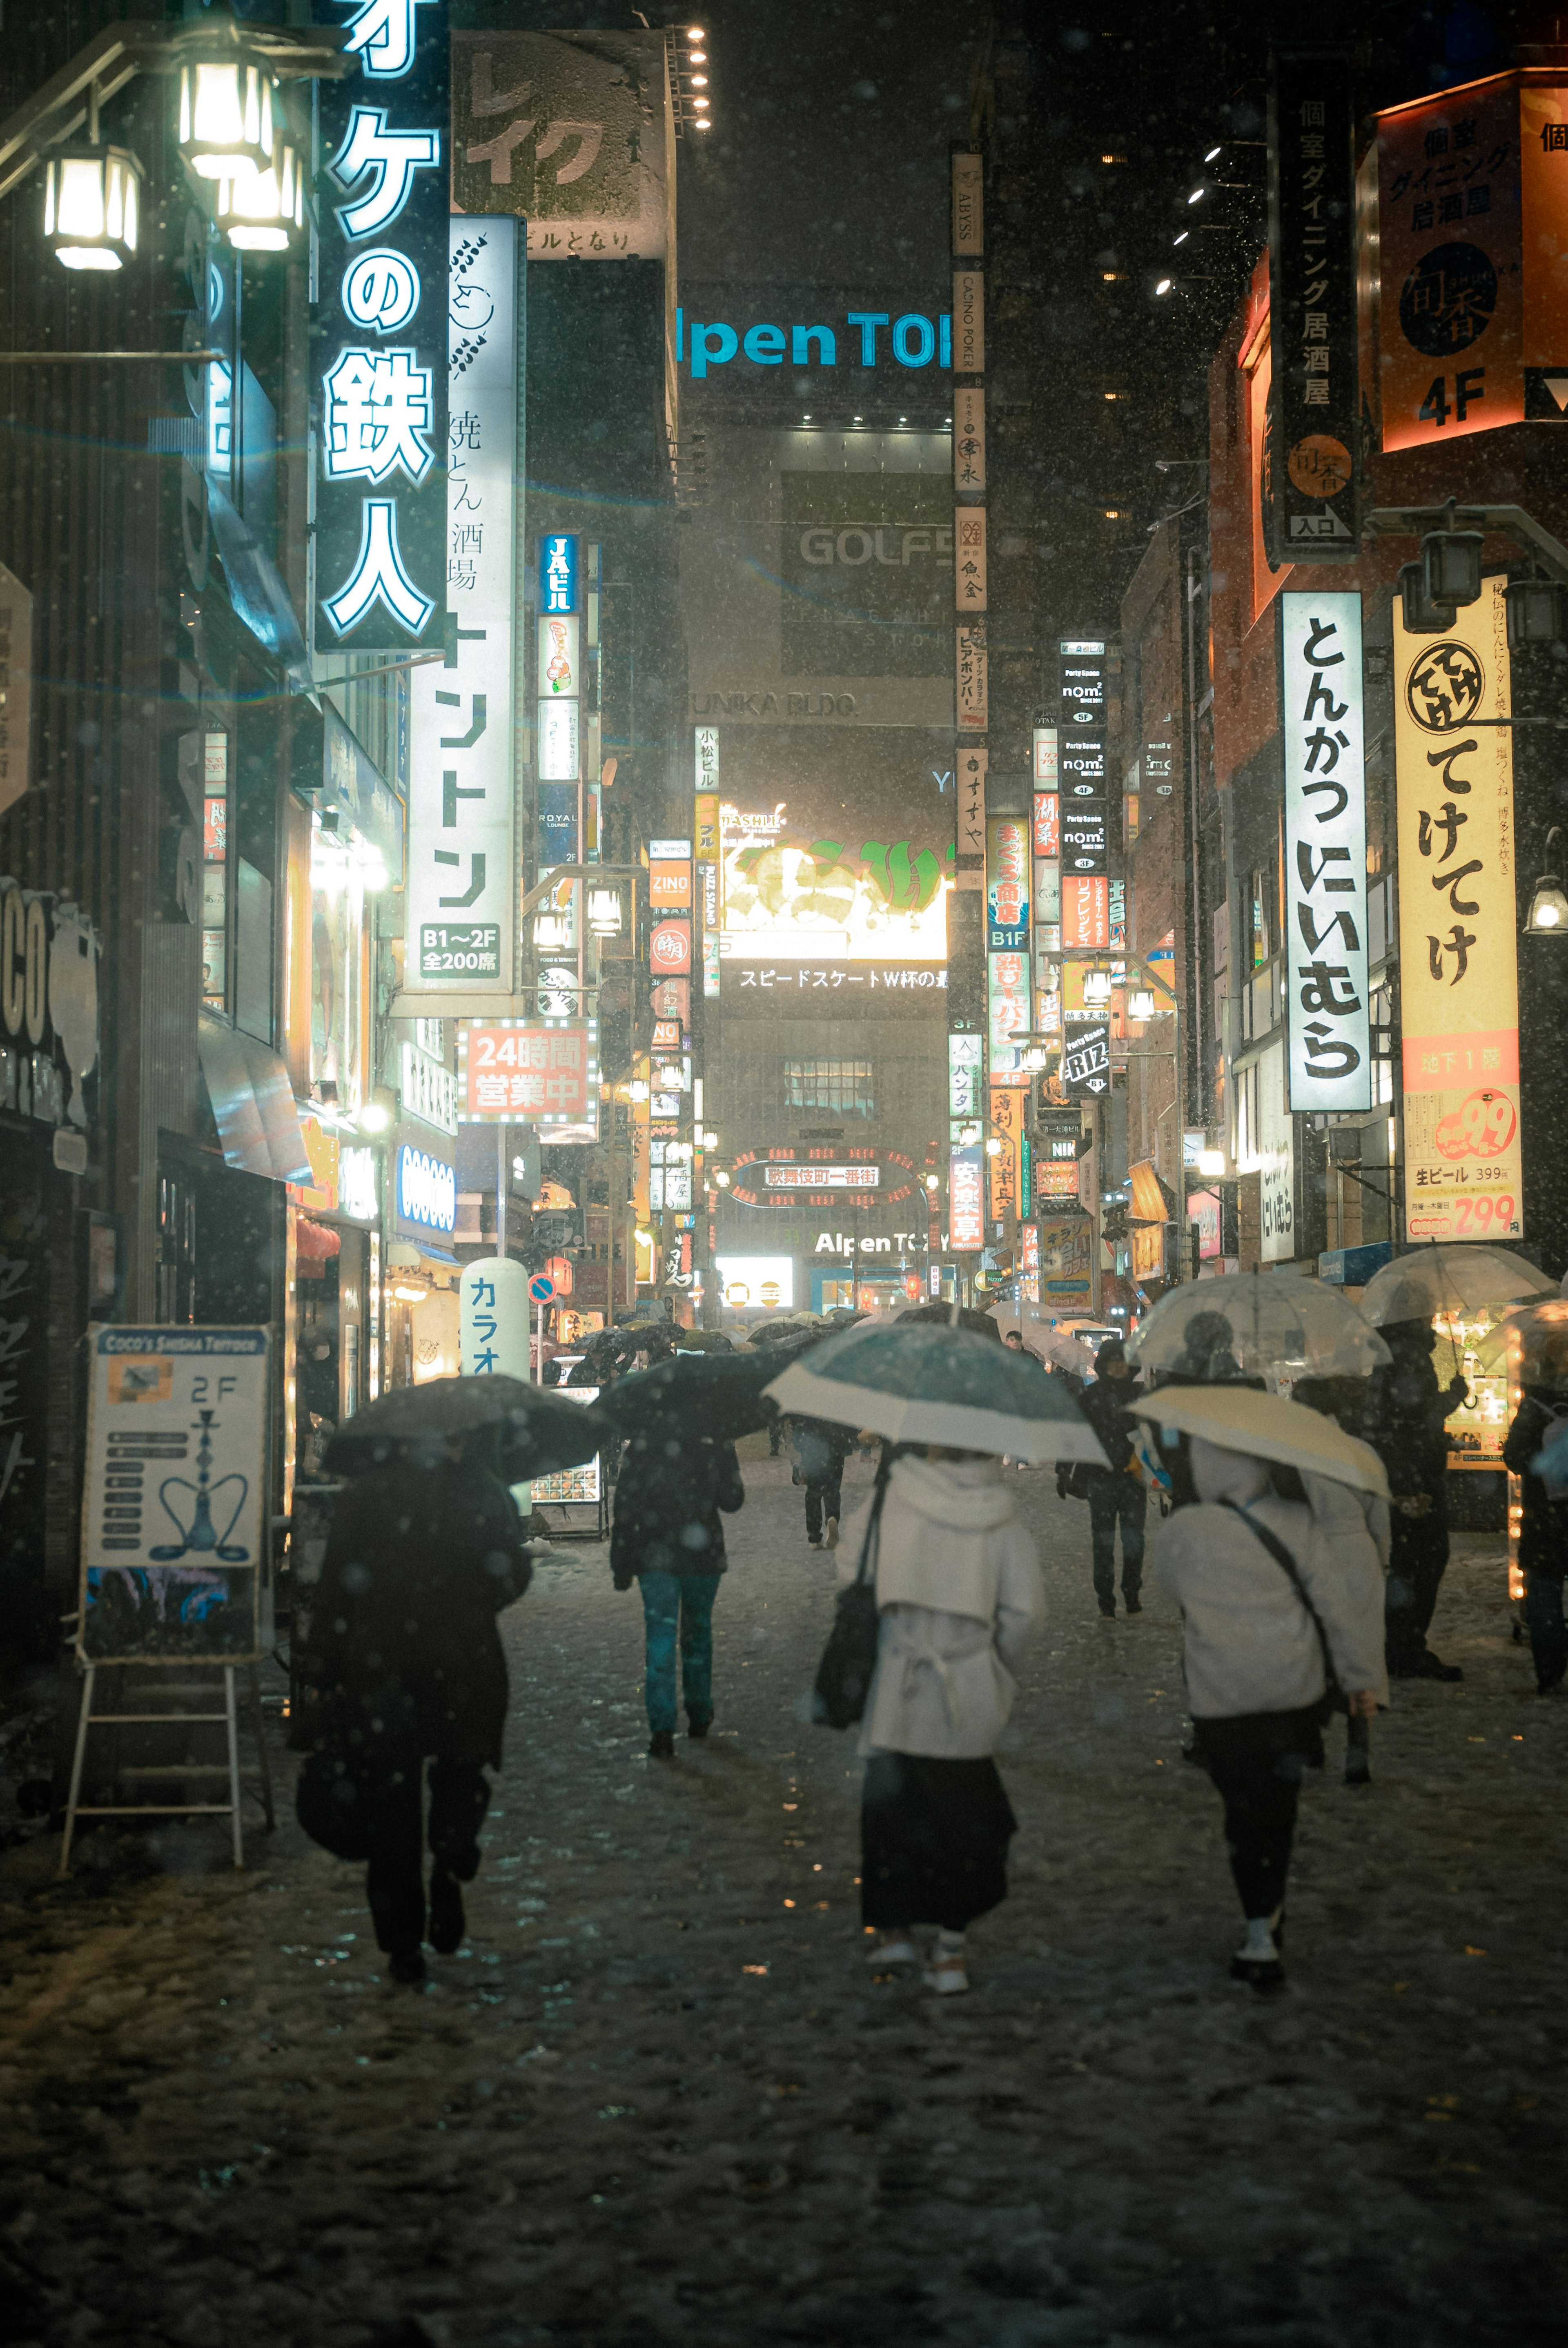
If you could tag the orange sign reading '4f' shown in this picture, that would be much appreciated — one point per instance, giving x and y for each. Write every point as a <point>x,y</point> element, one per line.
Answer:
<point>1458,963</point>
<point>1472,223</point>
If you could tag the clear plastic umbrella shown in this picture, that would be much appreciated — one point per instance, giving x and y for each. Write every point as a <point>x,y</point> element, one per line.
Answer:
<point>1460,1280</point>
<point>1247,1324</point>
<point>931,1384</point>
<point>1535,1336</point>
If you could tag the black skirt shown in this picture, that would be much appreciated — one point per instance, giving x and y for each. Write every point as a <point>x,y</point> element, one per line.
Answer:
<point>933,1841</point>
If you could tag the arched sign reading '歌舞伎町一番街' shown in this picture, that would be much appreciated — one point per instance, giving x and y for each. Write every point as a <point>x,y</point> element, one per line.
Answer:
<point>843,1177</point>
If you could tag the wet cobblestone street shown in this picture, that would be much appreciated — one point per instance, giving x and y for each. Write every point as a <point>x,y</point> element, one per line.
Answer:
<point>660,2098</point>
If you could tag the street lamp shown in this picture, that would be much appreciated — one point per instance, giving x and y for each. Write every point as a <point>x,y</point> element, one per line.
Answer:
<point>1210,1162</point>
<point>92,203</point>
<point>225,118</point>
<point>1548,915</point>
<point>263,211</point>
<point>1097,986</point>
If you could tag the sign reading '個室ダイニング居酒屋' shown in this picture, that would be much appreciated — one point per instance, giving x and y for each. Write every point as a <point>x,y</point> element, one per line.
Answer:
<point>380,351</point>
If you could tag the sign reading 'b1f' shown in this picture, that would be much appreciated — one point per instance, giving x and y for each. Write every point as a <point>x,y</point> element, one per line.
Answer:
<point>1321,708</point>
<point>461,853</point>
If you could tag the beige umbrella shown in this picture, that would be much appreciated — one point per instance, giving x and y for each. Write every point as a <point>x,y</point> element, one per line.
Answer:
<point>1266,1427</point>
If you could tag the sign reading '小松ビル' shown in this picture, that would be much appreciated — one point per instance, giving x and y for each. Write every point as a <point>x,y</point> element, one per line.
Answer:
<point>1321,699</point>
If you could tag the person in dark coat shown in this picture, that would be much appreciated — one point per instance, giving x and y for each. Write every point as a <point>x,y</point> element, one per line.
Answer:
<point>1116,1494</point>
<point>404,1661</point>
<point>667,1537</point>
<point>1543,1532</point>
<point>1405,1413</point>
<point>821,1447</point>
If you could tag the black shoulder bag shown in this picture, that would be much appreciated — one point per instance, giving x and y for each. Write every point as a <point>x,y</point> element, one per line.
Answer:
<point>849,1657</point>
<point>1334,1697</point>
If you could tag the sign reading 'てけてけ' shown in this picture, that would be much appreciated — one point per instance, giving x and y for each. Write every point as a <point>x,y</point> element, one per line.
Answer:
<point>1458,957</point>
<point>1324,853</point>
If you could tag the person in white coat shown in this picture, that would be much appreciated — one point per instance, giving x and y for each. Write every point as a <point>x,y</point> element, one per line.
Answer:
<point>1258,1644</point>
<point>958,1593</point>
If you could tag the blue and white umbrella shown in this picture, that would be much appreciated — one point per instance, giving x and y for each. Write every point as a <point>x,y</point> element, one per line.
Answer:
<point>928,1383</point>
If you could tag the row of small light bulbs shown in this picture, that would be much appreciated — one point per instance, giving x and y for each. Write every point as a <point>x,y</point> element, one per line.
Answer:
<point>697,56</point>
<point>231,136</point>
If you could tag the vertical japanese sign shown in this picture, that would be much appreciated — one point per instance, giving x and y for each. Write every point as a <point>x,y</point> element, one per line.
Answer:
<point>1310,481</point>
<point>381,336</point>
<point>973,679</point>
<point>972,765</point>
<point>1006,883</point>
<point>1085,913</point>
<point>965,1200</point>
<point>706,843</point>
<point>969,439</point>
<point>461,838</point>
<point>1009,1105</point>
<point>965,1064</point>
<point>559,712</point>
<point>1007,1011</point>
<point>1451,301</point>
<point>969,557</point>
<point>494,1316</point>
<point>1322,711</point>
<point>1458,956</point>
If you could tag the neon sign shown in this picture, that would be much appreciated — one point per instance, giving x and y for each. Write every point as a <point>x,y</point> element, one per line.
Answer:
<point>913,340</point>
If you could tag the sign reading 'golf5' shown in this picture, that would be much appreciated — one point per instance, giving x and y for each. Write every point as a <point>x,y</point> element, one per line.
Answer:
<point>1321,704</point>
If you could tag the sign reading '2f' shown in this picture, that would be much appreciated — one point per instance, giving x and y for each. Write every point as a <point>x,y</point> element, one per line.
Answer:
<point>380,359</point>
<point>1322,711</point>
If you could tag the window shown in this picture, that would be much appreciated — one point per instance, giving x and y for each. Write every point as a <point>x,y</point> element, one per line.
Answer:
<point>841,1085</point>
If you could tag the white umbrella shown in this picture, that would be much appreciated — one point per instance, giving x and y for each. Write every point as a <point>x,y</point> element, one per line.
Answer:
<point>1455,1279</point>
<point>1248,1322</point>
<point>1266,1427</point>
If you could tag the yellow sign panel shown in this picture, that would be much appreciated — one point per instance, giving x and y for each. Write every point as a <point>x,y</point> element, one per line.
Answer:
<point>705,827</point>
<point>1008,1107</point>
<point>1458,957</point>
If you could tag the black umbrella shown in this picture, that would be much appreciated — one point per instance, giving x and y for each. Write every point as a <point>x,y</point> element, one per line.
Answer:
<point>694,1394</point>
<point>520,1431</point>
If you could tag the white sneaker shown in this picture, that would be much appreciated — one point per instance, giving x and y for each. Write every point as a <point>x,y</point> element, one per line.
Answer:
<point>900,1950</point>
<point>830,1539</point>
<point>948,1976</point>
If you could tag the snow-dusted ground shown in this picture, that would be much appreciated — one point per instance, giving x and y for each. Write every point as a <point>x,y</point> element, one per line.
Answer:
<point>659,2097</point>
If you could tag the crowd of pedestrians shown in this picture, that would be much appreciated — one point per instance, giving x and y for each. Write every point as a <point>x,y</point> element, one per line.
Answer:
<point>1300,1593</point>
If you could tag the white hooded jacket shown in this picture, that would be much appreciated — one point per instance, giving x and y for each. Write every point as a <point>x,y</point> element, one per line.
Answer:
<point>1251,1645</point>
<point>959,1592</point>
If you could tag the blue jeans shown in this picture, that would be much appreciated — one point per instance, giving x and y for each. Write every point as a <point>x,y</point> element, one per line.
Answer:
<point>686,1599</point>
<point>1548,1636</point>
<point>1113,1499</point>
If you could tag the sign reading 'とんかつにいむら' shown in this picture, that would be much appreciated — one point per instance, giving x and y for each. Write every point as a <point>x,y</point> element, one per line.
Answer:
<point>1321,704</point>
<point>174,1522</point>
<point>380,335</point>
<point>1458,957</point>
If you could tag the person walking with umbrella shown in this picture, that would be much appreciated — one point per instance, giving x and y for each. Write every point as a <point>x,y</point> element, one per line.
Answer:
<point>1406,1413</point>
<point>821,1447</point>
<point>1543,1531</point>
<point>1116,1494</point>
<point>946,1588</point>
<point>404,1656</point>
<point>678,1472</point>
<point>1281,1593</point>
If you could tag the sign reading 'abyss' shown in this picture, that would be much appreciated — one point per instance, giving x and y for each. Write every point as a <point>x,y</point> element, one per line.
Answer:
<point>379,366</point>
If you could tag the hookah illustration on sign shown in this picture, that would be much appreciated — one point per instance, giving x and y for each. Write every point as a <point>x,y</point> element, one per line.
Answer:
<point>201,1535</point>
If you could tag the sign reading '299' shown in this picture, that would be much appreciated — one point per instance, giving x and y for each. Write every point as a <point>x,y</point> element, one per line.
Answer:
<point>379,367</point>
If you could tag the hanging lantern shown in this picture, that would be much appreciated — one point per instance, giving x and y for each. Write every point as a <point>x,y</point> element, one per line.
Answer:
<point>91,204</point>
<point>265,212</point>
<point>225,119</point>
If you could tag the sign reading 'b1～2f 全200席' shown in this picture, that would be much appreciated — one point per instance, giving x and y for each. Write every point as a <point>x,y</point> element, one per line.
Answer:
<point>1310,477</point>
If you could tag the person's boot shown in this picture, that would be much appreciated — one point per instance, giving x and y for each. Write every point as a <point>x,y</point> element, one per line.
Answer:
<point>407,1965</point>
<point>447,1922</point>
<point>697,1729</point>
<point>831,1535</point>
<point>661,1745</point>
<point>1428,1667</point>
<point>1257,1961</point>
